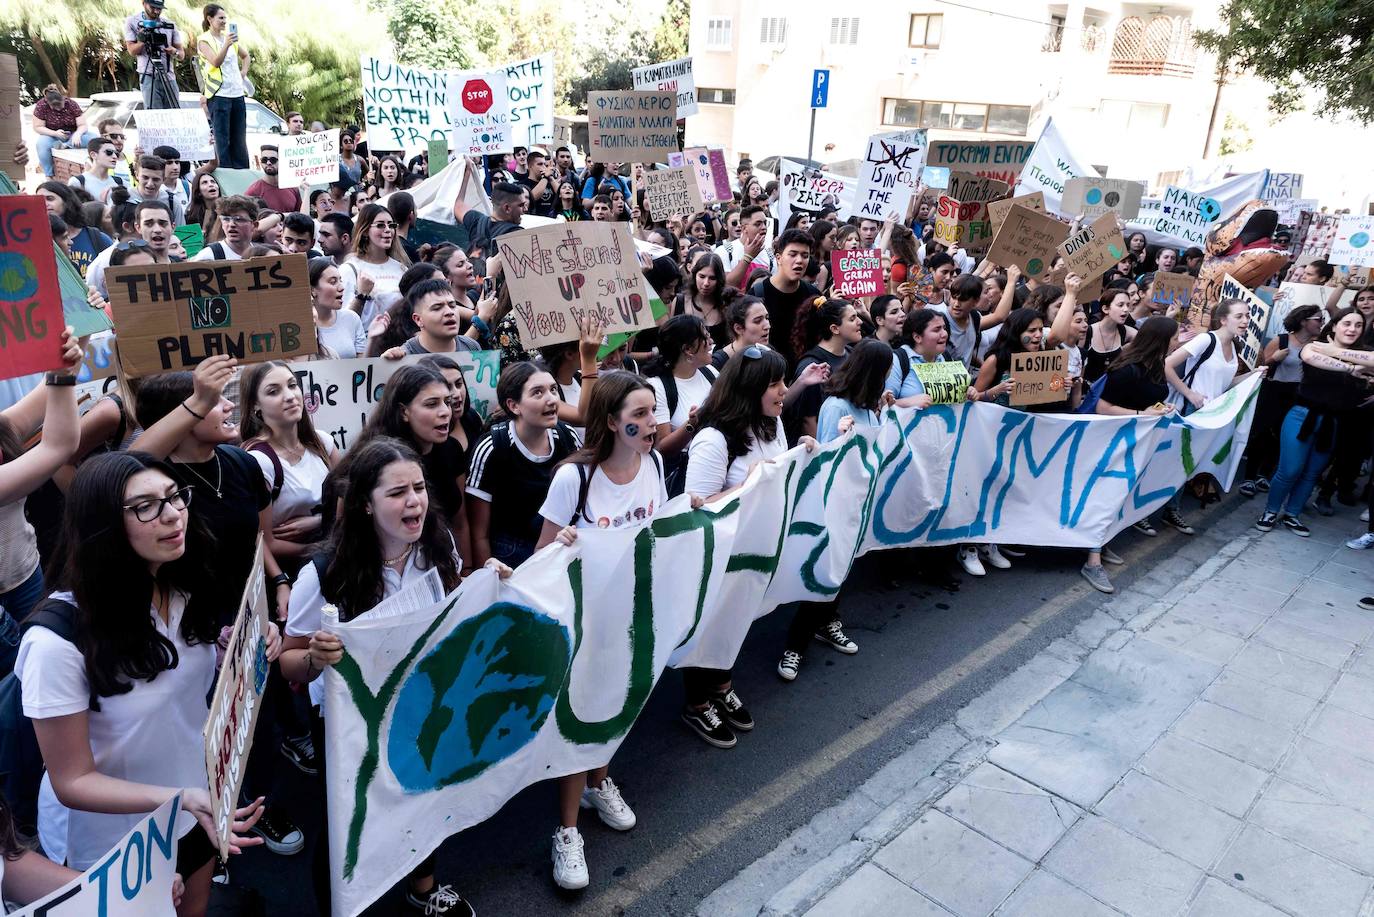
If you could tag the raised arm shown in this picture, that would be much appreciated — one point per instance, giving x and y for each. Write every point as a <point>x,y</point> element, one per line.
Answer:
<point>1063,319</point>
<point>210,377</point>
<point>61,432</point>
<point>999,315</point>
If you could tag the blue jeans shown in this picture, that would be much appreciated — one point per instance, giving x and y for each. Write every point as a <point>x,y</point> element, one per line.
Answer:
<point>229,124</point>
<point>15,606</point>
<point>1300,464</point>
<point>47,144</point>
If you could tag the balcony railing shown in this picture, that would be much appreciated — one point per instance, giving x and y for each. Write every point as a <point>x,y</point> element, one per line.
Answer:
<point>1162,47</point>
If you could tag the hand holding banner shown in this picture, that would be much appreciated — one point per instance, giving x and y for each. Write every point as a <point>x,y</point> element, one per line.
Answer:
<point>1040,377</point>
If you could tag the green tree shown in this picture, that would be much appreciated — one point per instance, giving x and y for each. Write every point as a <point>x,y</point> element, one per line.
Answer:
<point>1322,45</point>
<point>459,34</point>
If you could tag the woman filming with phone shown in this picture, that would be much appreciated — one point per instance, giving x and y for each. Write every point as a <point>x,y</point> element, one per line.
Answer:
<point>223,69</point>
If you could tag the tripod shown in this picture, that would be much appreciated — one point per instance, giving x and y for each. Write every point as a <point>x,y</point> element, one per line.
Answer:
<point>159,86</point>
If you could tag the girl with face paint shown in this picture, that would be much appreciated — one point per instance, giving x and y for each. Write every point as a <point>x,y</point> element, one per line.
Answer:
<point>614,481</point>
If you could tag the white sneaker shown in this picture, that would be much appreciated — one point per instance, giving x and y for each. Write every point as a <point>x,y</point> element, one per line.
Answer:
<point>993,555</point>
<point>968,559</point>
<point>1364,541</point>
<point>609,804</point>
<point>569,864</point>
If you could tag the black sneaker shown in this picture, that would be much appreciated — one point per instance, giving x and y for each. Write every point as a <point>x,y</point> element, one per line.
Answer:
<point>280,835</point>
<point>1171,518</point>
<point>1367,603</point>
<point>1145,528</point>
<point>733,711</point>
<point>1262,485</point>
<point>1294,525</point>
<point>300,751</point>
<point>441,899</point>
<point>1267,522</point>
<point>707,724</point>
<point>833,636</point>
<point>1248,489</point>
<point>1324,506</point>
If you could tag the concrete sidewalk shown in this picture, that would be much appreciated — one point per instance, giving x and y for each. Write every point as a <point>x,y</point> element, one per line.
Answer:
<point>1205,747</point>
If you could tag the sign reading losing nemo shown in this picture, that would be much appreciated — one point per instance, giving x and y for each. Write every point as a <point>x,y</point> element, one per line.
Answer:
<point>173,316</point>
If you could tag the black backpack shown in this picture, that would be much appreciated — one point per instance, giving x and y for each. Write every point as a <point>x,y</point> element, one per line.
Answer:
<point>670,386</point>
<point>21,761</point>
<point>586,485</point>
<point>1192,370</point>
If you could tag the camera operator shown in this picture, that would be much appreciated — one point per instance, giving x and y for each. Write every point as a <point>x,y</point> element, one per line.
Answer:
<point>157,44</point>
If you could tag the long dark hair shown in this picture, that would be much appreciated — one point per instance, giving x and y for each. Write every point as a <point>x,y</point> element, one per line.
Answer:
<point>402,388</point>
<point>735,405</point>
<point>1148,348</point>
<point>1328,332</point>
<point>352,579</point>
<point>917,321</point>
<point>712,261</point>
<point>251,425</point>
<point>1009,341</point>
<point>738,304</point>
<point>605,400</point>
<point>675,336</point>
<point>1295,319</point>
<point>814,317</point>
<point>71,204</point>
<point>11,446</point>
<point>112,587</point>
<point>861,378</point>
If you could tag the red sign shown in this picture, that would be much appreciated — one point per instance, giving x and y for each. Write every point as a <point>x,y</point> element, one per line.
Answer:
<point>31,320</point>
<point>856,272</point>
<point>477,97</point>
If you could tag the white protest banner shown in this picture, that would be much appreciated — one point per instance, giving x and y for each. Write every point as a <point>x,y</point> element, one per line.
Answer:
<point>1049,168</point>
<point>340,394</point>
<point>403,107</point>
<point>631,126</point>
<point>1281,186</point>
<point>1231,194</point>
<point>529,84</point>
<point>479,111</point>
<point>1003,160</point>
<point>436,717</point>
<point>1290,208</point>
<point>1187,215</point>
<point>565,272</point>
<point>311,159</point>
<point>110,888</point>
<point>183,129</point>
<point>1351,245</point>
<point>889,174</point>
<point>800,188</point>
<point>1092,197</point>
<point>1249,347</point>
<point>674,76</point>
<point>235,702</point>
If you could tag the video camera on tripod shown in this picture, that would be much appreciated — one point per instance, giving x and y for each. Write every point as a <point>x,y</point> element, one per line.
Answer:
<point>156,35</point>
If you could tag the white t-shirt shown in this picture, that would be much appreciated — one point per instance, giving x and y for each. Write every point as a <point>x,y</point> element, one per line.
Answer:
<point>1213,377</point>
<point>386,286</point>
<point>609,505</point>
<point>150,734</point>
<point>732,253</point>
<point>961,339</point>
<point>302,483</point>
<point>346,337</point>
<point>571,395</point>
<point>710,469</point>
<point>225,252</point>
<point>691,393</point>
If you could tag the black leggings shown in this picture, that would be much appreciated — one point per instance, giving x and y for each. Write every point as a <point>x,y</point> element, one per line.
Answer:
<point>703,684</point>
<point>810,618</point>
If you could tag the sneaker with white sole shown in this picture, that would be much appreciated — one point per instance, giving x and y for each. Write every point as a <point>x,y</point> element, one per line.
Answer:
<point>833,636</point>
<point>1111,557</point>
<point>300,751</point>
<point>278,833</point>
<point>968,559</point>
<point>1248,489</point>
<point>1267,521</point>
<point>609,804</point>
<point>1262,485</point>
<point>569,862</point>
<point>731,709</point>
<point>1364,516</point>
<point>1097,578</point>
<point>1362,542</point>
<point>1172,518</point>
<point>441,899</point>
<point>1367,603</point>
<point>1146,528</point>
<point>993,555</point>
<point>788,665</point>
<point>707,723</point>
<point>1294,525</point>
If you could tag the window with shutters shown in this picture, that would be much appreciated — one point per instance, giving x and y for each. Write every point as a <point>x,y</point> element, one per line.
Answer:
<point>844,30</point>
<point>719,34</point>
<point>773,30</point>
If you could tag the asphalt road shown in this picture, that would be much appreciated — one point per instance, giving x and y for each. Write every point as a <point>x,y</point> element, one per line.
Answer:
<point>704,813</point>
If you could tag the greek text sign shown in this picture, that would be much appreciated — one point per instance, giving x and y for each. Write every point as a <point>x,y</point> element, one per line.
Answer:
<point>631,126</point>
<point>675,76</point>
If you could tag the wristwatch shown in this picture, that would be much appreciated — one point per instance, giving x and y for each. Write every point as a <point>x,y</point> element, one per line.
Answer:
<point>59,379</point>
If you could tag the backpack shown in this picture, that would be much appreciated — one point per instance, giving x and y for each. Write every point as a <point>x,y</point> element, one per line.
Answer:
<point>585,485</point>
<point>21,760</point>
<point>1092,396</point>
<point>278,473</point>
<point>1192,371</point>
<point>903,361</point>
<point>81,180</point>
<point>670,386</point>
<point>218,249</point>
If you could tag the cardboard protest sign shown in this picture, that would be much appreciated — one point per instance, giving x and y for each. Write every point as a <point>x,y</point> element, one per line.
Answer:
<point>800,188</point>
<point>1040,377</point>
<point>1291,208</point>
<point>947,213</point>
<point>183,129</point>
<point>565,272</point>
<point>437,156</point>
<point>1094,248</point>
<point>235,702</point>
<point>31,318</point>
<point>1280,186</point>
<point>1028,240</point>
<point>856,272</point>
<point>631,126</point>
<point>403,107</point>
<point>529,85</point>
<point>1187,215</point>
<point>670,191</point>
<point>1251,346</point>
<point>721,173</point>
<point>10,116</point>
<point>192,236</point>
<point>998,210</point>
<point>1351,246</point>
<point>110,888</point>
<point>311,159</point>
<point>173,316</point>
<point>1094,196</point>
<point>888,174</point>
<point>968,225</point>
<point>479,112</point>
<point>999,159</point>
<point>673,76</point>
<point>1172,291</point>
<point>946,382</point>
<point>698,158</point>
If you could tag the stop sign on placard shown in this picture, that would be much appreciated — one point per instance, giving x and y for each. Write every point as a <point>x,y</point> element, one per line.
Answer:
<point>477,96</point>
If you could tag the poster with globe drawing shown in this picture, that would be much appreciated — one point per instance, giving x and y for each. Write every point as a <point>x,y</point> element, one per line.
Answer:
<point>1352,242</point>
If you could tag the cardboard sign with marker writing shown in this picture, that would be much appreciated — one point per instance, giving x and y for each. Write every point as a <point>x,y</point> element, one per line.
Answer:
<point>1172,291</point>
<point>946,382</point>
<point>1028,240</point>
<point>670,191</point>
<point>1093,249</point>
<point>562,273</point>
<point>998,210</point>
<point>10,114</point>
<point>631,126</point>
<point>856,272</point>
<point>973,192</point>
<point>31,318</point>
<point>173,316</point>
<point>1093,197</point>
<point>1251,345</point>
<point>698,159</point>
<point>1040,377</point>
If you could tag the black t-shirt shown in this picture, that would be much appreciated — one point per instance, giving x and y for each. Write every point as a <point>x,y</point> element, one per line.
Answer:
<point>782,313</point>
<point>544,205</point>
<point>808,404</point>
<point>484,231</point>
<point>516,484</point>
<point>443,464</point>
<point>1129,388</point>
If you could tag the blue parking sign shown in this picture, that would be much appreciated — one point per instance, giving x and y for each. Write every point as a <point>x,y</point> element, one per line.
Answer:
<point>820,88</point>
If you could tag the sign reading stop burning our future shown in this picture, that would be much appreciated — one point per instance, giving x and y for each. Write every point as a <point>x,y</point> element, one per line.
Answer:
<point>961,214</point>
<point>30,299</point>
<point>856,272</point>
<point>632,126</point>
<point>173,316</point>
<point>1040,377</point>
<point>561,274</point>
<point>479,111</point>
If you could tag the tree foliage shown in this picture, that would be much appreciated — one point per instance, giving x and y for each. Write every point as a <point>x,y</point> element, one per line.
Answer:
<point>1321,45</point>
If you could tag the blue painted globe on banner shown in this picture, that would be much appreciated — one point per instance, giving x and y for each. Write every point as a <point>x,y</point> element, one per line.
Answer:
<point>480,695</point>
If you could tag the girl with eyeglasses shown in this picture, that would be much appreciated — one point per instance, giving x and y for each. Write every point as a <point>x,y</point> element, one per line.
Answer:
<point>119,703</point>
<point>372,273</point>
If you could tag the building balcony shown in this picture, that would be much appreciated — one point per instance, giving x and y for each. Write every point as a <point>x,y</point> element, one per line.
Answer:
<point>1163,46</point>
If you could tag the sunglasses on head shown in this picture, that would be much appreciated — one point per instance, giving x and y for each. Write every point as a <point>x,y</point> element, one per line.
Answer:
<point>133,245</point>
